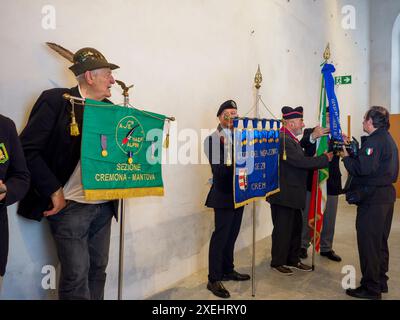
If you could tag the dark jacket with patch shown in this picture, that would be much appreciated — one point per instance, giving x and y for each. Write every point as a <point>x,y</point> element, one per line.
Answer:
<point>15,175</point>
<point>51,152</point>
<point>221,192</point>
<point>376,167</point>
<point>334,182</point>
<point>293,174</point>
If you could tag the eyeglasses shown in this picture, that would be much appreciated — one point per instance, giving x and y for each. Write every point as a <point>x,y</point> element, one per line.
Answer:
<point>231,114</point>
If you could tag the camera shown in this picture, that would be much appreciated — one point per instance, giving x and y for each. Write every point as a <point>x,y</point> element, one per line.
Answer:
<point>352,147</point>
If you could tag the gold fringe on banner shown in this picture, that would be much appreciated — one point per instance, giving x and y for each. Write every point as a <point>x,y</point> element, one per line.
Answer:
<point>114,194</point>
<point>248,201</point>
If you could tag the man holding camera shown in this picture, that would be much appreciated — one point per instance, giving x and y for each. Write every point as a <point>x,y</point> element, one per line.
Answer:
<point>373,173</point>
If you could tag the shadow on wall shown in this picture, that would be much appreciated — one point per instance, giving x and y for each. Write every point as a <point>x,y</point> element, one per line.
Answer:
<point>155,250</point>
<point>28,255</point>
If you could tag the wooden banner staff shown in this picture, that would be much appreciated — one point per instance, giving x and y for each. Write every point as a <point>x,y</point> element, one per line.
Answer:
<point>257,85</point>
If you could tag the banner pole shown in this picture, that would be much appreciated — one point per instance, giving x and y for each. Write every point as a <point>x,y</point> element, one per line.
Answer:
<point>121,249</point>
<point>315,223</point>
<point>257,85</point>
<point>122,213</point>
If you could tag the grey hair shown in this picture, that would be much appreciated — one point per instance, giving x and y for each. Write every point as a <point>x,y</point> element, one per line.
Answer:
<point>81,77</point>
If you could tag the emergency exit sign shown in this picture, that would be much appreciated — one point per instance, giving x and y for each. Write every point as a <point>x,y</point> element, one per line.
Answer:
<point>343,80</point>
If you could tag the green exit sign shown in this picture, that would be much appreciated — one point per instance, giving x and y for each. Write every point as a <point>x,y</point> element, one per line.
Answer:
<point>343,80</point>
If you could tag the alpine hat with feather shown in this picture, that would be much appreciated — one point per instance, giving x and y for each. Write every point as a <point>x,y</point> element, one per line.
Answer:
<point>85,59</point>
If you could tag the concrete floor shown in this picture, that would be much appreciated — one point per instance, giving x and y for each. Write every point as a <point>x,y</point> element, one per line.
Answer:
<point>324,283</point>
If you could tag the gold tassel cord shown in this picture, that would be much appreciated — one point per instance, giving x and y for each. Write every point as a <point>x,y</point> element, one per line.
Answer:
<point>284,157</point>
<point>74,128</point>
<point>166,142</point>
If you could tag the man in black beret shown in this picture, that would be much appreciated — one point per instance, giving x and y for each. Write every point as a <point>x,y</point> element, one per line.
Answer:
<point>52,144</point>
<point>218,148</point>
<point>287,204</point>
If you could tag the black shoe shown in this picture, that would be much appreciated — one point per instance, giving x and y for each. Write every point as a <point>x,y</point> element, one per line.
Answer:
<point>363,293</point>
<point>301,266</point>
<point>303,253</point>
<point>331,255</point>
<point>236,276</point>
<point>218,289</point>
<point>283,270</point>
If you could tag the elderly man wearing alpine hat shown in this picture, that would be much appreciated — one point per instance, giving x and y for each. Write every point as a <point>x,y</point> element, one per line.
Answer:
<point>51,142</point>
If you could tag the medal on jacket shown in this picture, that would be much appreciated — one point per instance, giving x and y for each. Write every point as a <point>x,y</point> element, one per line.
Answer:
<point>74,129</point>
<point>103,140</point>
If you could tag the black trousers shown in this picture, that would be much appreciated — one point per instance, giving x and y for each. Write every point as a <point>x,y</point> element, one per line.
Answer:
<point>373,225</point>
<point>222,244</point>
<point>286,235</point>
<point>3,241</point>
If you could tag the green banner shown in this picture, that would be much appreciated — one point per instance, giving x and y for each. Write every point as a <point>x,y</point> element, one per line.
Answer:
<point>121,152</point>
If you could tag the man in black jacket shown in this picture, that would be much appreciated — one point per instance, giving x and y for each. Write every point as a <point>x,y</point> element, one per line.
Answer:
<point>334,188</point>
<point>218,148</point>
<point>52,145</point>
<point>14,180</point>
<point>287,204</point>
<point>374,171</point>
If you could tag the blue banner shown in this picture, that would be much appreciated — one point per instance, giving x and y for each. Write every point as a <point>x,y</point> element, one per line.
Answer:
<point>334,117</point>
<point>256,161</point>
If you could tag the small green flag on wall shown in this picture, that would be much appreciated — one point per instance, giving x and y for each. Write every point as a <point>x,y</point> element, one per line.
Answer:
<point>121,152</point>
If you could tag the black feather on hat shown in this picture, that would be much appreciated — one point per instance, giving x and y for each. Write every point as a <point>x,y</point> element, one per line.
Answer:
<point>290,113</point>
<point>229,104</point>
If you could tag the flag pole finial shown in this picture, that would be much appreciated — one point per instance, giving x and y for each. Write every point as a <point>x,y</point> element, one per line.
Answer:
<point>258,78</point>
<point>327,52</point>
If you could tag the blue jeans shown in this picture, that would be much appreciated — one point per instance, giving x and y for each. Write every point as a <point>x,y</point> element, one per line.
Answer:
<point>82,236</point>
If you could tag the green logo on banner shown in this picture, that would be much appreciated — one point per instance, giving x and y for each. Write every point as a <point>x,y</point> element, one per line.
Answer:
<point>129,135</point>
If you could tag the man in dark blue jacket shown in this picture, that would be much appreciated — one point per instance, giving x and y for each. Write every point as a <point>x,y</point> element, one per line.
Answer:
<point>14,180</point>
<point>218,148</point>
<point>374,171</point>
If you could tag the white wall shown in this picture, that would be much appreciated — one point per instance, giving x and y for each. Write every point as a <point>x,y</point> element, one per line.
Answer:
<point>395,68</point>
<point>185,58</point>
<point>383,15</point>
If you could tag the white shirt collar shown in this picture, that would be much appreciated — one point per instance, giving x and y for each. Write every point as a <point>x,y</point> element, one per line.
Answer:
<point>80,91</point>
